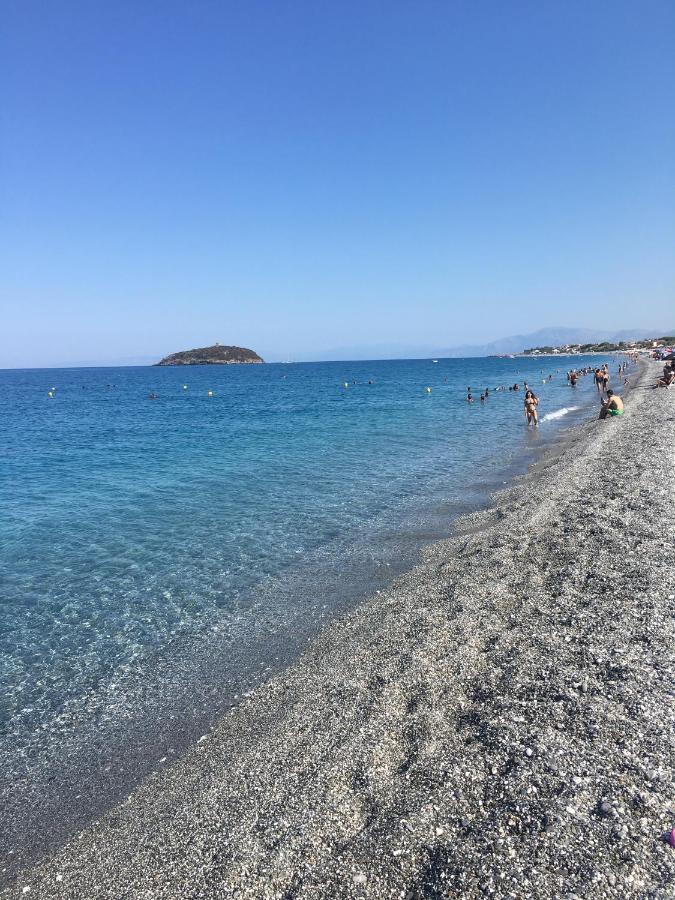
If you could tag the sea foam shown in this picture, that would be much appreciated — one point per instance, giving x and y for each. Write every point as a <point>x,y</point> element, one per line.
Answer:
<point>559,413</point>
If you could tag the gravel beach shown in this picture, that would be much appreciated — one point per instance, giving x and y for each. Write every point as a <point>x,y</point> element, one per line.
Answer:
<point>499,722</point>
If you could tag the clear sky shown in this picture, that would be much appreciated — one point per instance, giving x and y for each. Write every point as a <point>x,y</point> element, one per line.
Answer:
<point>298,176</point>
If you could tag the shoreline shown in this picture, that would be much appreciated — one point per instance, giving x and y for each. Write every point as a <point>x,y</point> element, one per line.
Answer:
<point>91,761</point>
<point>393,755</point>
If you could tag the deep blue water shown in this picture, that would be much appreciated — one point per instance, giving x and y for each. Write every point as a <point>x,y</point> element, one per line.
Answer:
<point>131,526</point>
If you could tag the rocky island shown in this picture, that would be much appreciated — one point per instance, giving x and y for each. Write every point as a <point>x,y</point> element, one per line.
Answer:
<point>218,355</point>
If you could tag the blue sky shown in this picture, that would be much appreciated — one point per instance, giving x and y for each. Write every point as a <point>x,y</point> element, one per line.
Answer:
<point>298,177</point>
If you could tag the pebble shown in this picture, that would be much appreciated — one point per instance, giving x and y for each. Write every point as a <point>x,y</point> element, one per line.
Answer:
<point>310,767</point>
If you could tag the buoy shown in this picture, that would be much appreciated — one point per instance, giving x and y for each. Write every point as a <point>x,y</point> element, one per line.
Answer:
<point>428,390</point>
<point>185,387</point>
<point>210,393</point>
<point>346,384</point>
<point>50,394</point>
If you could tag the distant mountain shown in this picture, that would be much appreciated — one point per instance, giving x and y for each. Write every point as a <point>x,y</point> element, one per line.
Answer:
<point>218,355</point>
<point>550,337</point>
<point>553,337</point>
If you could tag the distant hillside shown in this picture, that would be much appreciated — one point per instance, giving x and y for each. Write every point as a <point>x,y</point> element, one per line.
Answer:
<point>552,337</point>
<point>517,343</point>
<point>651,343</point>
<point>218,355</point>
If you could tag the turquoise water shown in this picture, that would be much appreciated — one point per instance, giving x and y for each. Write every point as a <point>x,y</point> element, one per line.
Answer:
<point>136,533</point>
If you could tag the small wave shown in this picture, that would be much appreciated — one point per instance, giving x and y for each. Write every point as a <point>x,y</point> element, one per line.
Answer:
<point>559,413</point>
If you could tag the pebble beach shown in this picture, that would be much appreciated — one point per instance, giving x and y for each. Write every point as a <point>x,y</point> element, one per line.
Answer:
<point>498,722</point>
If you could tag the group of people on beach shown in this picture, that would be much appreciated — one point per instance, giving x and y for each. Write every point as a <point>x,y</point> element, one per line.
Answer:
<point>601,378</point>
<point>531,401</point>
<point>612,404</point>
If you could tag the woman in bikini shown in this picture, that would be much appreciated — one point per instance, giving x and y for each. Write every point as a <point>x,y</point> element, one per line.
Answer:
<point>531,403</point>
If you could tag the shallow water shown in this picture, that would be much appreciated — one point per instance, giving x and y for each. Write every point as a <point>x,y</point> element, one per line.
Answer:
<point>158,549</point>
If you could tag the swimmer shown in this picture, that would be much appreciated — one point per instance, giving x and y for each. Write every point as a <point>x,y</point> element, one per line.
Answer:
<point>469,396</point>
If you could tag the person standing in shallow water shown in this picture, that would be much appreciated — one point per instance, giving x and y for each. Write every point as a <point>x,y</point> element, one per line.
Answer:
<point>531,402</point>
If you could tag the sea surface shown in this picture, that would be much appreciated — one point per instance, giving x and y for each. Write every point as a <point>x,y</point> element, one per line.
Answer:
<point>160,556</point>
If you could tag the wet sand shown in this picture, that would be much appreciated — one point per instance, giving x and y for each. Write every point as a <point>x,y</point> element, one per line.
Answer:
<point>499,722</point>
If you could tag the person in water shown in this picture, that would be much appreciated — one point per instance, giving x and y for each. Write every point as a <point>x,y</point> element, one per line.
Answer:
<point>531,403</point>
<point>613,405</point>
<point>469,397</point>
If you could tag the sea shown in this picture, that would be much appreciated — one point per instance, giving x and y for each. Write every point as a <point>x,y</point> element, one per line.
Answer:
<point>172,536</point>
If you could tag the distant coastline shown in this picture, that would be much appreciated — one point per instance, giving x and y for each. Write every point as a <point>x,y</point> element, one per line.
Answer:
<point>638,346</point>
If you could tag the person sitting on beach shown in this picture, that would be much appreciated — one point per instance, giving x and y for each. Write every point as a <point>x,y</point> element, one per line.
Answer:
<point>668,376</point>
<point>613,405</point>
<point>531,403</point>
